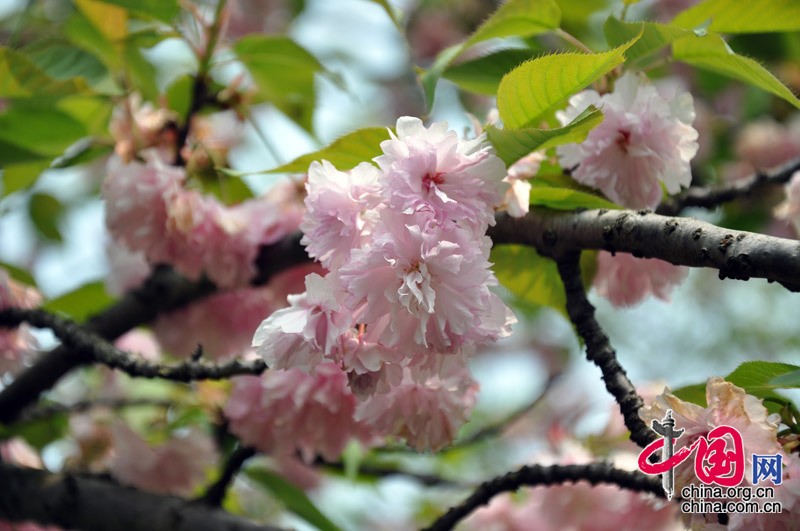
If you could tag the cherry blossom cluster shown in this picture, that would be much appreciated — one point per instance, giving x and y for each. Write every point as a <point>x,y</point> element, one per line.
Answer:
<point>407,294</point>
<point>150,210</point>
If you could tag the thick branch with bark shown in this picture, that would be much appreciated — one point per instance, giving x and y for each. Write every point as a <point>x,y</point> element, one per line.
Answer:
<point>712,197</point>
<point>538,475</point>
<point>76,502</point>
<point>682,241</point>
<point>599,350</point>
<point>94,349</point>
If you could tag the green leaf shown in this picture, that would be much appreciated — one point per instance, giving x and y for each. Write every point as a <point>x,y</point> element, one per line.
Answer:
<point>522,18</point>
<point>513,144</point>
<point>18,274</point>
<point>293,498</point>
<point>40,432</point>
<point>654,36</point>
<point>14,155</point>
<point>568,199</point>
<point>536,88</point>
<point>45,213</point>
<point>22,175</point>
<point>93,112</point>
<point>345,153</point>
<point>63,61</point>
<point>696,394</point>
<point>755,377</point>
<point>284,73</point>
<point>531,278</point>
<point>743,16</point>
<point>179,95</point>
<point>789,380</point>
<point>163,10</point>
<point>44,131</point>
<point>712,53</point>
<point>83,153</point>
<point>20,78</point>
<point>483,75</point>
<point>142,73</point>
<point>82,302</point>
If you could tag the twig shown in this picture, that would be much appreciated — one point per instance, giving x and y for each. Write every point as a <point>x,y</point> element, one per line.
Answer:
<point>86,502</point>
<point>50,410</point>
<point>599,349</point>
<point>164,291</point>
<point>538,475</point>
<point>493,430</point>
<point>381,471</point>
<point>94,349</point>
<point>712,197</point>
<point>200,85</point>
<point>215,493</point>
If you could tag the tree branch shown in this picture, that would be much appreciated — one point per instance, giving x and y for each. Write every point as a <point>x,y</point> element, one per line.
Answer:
<point>599,349</point>
<point>94,349</point>
<point>164,291</point>
<point>681,241</point>
<point>216,492</point>
<point>538,475</point>
<point>50,410</point>
<point>712,197</point>
<point>78,502</point>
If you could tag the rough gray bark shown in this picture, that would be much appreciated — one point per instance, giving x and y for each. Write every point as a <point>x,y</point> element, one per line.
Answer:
<point>682,241</point>
<point>75,502</point>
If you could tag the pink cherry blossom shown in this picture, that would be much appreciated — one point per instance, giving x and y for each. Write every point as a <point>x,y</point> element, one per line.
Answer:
<point>765,143</point>
<point>430,171</point>
<point>645,140</point>
<point>425,412</point>
<point>341,210</point>
<point>211,137</point>
<point>433,285</point>
<point>141,342</point>
<point>149,211</point>
<point>282,412</point>
<point>176,466</point>
<point>728,405</point>
<point>127,269</point>
<point>300,335</point>
<point>16,344</point>
<point>138,197</point>
<point>137,125</point>
<point>18,452</point>
<point>518,197</point>
<point>626,280</point>
<point>221,323</point>
<point>789,209</point>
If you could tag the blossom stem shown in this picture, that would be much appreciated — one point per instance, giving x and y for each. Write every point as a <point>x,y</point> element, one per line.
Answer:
<point>573,40</point>
<point>538,475</point>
